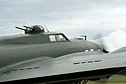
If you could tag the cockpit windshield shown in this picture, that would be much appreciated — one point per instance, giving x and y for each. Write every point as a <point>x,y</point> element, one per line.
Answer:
<point>57,38</point>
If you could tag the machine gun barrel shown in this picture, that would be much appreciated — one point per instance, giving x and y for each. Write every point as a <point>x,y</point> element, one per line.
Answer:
<point>20,28</point>
<point>27,27</point>
<point>32,30</point>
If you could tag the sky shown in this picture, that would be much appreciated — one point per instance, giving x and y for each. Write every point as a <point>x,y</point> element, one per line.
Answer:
<point>112,41</point>
<point>72,17</point>
<point>115,40</point>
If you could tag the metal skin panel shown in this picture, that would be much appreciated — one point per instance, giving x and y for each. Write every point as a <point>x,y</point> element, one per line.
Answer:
<point>31,56</point>
<point>64,65</point>
<point>12,52</point>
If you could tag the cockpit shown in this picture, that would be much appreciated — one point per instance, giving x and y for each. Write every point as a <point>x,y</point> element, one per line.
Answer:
<point>58,38</point>
<point>47,37</point>
<point>34,35</point>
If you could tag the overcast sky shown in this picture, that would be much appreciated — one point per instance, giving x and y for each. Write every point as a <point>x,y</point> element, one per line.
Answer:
<point>73,17</point>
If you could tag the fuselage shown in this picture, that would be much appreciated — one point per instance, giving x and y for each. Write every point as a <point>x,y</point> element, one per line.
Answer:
<point>41,57</point>
<point>48,55</point>
<point>18,48</point>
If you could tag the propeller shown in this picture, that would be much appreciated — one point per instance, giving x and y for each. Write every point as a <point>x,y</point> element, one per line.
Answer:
<point>98,38</point>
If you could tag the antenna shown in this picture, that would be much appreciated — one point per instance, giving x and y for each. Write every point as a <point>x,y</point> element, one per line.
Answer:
<point>85,37</point>
<point>46,28</point>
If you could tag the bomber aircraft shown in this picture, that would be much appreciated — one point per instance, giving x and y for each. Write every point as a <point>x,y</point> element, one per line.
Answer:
<point>43,57</point>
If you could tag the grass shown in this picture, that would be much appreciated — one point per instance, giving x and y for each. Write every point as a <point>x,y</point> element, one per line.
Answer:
<point>116,79</point>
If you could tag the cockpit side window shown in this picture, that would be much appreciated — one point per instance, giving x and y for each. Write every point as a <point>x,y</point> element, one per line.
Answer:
<point>57,38</point>
<point>60,38</point>
<point>52,38</point>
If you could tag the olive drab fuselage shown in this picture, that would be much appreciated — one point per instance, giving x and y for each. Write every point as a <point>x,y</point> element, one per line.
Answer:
<point>18,48</point>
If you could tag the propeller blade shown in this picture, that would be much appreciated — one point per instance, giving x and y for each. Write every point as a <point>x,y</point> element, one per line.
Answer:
<point>98,38</point>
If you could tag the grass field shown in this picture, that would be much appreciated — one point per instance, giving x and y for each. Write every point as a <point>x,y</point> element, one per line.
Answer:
<point>116,79</point>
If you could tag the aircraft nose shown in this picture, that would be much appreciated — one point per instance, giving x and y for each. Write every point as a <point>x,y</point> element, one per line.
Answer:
<point>93,46</point>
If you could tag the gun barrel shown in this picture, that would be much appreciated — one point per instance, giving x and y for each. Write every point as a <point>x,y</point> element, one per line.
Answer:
<point>27,27</point>
<point>20,28</point>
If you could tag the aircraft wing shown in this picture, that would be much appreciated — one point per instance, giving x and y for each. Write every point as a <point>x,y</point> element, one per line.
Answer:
<point>74,66</point>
